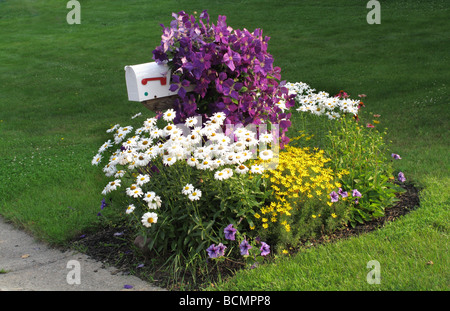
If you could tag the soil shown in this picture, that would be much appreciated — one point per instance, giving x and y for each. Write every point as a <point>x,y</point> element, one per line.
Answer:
<point>114,246</point>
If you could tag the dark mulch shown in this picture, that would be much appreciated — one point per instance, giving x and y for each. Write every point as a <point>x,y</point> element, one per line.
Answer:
<point>114,245</point>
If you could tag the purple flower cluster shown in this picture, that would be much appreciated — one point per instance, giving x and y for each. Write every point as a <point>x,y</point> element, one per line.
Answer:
<point>244,247</point>
<point>335,196</point>
<point>231,70</point>
<point>216,251</point>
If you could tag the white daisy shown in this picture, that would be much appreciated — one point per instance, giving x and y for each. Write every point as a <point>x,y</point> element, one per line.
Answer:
<point>169,160</point>
<point>169,115</point>
<point>156,133</point>
<point>119,174</point>
<point>149,196</point>
<point>142,159</point>
<point>256,169</point>
<point>149,218</point>
<point>113,128</point>
<point>220,175</point>
<point>142,179</point>
<point>266,138</point>
<point>97,159</point>
<point>130,209</point>
<point>150,122</point>
<point>105,146</point>
<point>188,189</point>
<point>266,155</point>
<point>192,161</point>
<point>191,121</point>
<point>134,191</point>
<point>144,143</point>
<point>241,169</point>
<point>155,202</point>
<point>195,195</point>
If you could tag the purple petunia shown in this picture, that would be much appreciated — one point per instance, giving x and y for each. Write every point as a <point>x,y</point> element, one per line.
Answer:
<point>244,247</point>
<point>334,196</point>
<point>265,249</point>
<point>395,156</point>
<point>356,193</point>
<point>213,251</point>
<point>230,232</point>
<point>401,177</point>
<point>342,193</point>
<point>216,251</point>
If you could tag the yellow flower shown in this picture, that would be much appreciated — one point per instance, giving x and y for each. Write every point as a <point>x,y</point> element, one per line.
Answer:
<point>314,216</point>
<point>333,215</point>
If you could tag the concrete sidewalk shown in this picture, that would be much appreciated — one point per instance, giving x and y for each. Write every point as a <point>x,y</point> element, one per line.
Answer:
<point>28,265</point>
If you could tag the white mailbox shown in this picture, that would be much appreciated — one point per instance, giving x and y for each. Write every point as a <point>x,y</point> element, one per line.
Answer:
<point>148,81</point>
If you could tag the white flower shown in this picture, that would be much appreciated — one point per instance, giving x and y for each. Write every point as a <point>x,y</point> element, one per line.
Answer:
<point>131,142</point>
<point>109,170</point>
<point>119,137</point>
<point>188,189</point>
<point>266,155</point>
<point>155,202</point>
<point>219,116</point>
<point>221,175</point>
<point>142,159</point>
<point>191,121</point>
<point>150,122</point>
<point>169,160</point>
<point>134,191</point>
<point>111,186</point>
<point>241,169</point>
<point>149,196</point>
<point>119,174</point>
<point>266,138</point>
<point>206,164</point>
<point>156,133</point>
<point>169,115</point>
<point>142,179</point>
<point>144,143</point>
<point>105,146</point>
<point>97,159</point>
<point>195,195</point>
<point>130,209</point>
<point>256,169</point>
<point>168,129</point>
<point>149,218</point>
<point>125,130</point>
<point>113,128</point>
<point>192,161</point>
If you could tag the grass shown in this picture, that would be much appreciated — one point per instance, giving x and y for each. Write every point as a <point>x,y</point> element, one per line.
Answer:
<point>62,85</point>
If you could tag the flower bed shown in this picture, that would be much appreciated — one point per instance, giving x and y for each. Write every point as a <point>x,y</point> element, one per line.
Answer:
<point>207,179</point>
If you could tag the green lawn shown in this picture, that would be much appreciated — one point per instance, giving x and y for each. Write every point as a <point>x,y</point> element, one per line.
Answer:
<point>62,85</point>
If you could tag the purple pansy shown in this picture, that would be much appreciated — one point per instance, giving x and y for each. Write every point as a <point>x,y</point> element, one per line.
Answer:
<point>401,177</point>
